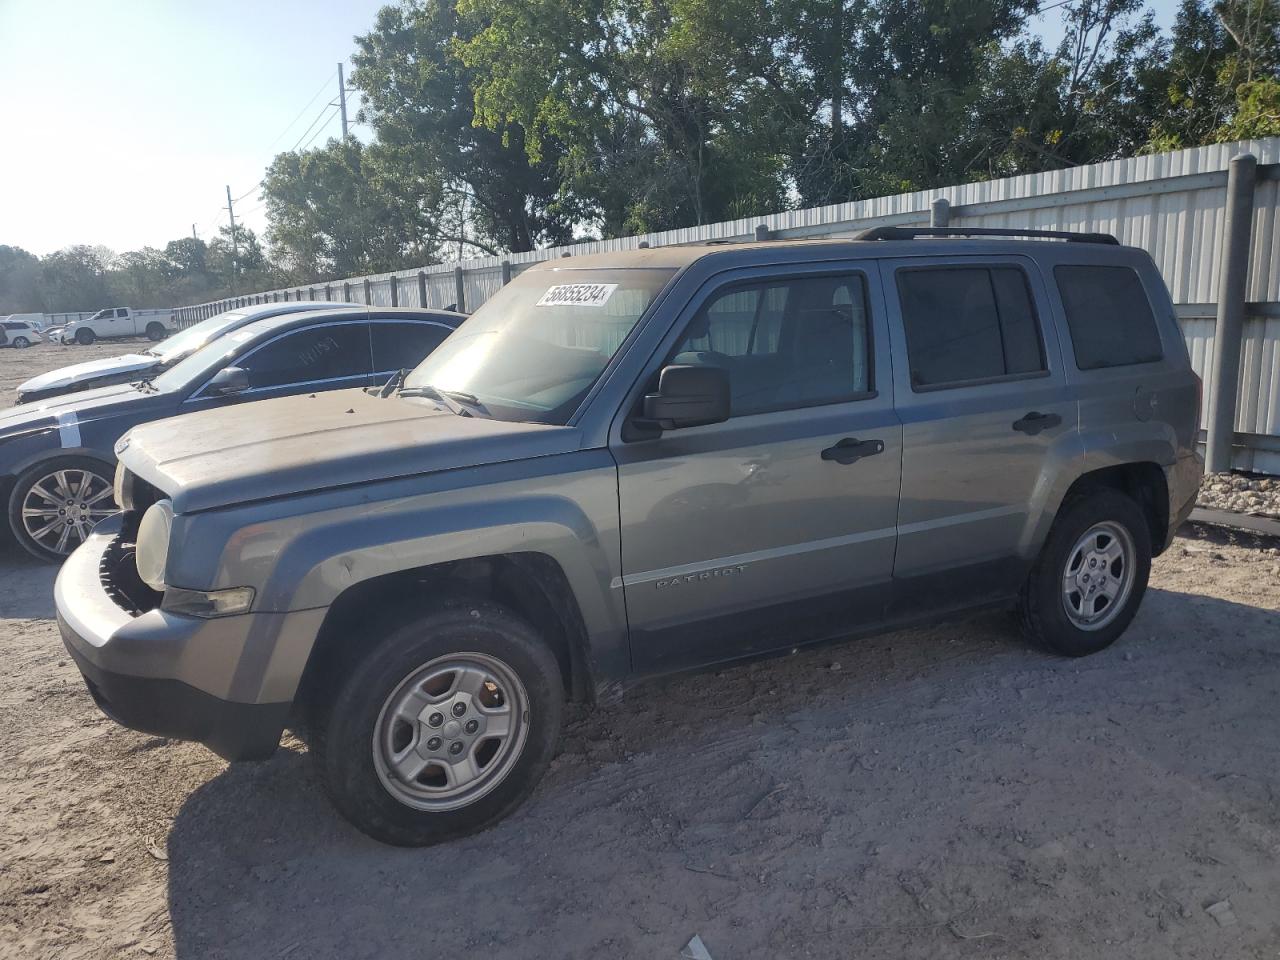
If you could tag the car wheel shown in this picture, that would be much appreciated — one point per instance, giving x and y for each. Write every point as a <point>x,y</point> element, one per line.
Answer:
<point>1090,577</point>
<point>21,343</point>
<point>443,728</point>
<point>54,505</point>
<point>85,337</point>
<point>155,331</point>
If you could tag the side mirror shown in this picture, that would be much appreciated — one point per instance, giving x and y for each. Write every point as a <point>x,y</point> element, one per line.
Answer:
<point>689,396</point>
<point>228,381</point>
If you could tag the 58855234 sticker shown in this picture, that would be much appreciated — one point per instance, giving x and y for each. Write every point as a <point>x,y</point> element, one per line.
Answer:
<point>577,295</point>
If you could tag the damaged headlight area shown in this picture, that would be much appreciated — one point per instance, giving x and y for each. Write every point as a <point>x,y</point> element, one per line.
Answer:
<point>152,550</point>
<point>208,603</point>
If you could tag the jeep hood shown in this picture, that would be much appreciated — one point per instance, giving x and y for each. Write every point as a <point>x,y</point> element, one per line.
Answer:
<point>274,448</point>
<point>65,377</point>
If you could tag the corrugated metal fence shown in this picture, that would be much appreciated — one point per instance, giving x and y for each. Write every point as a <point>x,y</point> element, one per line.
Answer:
<point>1170,204</point>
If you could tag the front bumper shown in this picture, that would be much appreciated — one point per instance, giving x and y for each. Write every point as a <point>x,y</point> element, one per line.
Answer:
<point>166,674</point>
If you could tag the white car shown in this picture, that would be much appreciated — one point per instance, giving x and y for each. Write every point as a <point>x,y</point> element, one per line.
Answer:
<point>19,333</point>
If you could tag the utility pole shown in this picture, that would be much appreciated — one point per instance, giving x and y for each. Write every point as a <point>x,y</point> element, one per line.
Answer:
<point>194,235</point>
<point>342,100</point>
<point>235,247</point>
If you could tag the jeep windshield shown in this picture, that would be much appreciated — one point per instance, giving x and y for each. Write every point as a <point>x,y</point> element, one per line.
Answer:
<point>535,348</point>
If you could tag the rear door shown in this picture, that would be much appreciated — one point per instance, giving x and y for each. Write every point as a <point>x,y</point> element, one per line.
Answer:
<point>777,526</point>
<point>985,411</point>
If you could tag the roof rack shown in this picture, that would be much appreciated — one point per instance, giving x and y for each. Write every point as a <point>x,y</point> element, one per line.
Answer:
<point>911,233</point>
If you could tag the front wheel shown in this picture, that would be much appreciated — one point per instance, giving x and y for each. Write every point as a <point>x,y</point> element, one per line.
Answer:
<point>54,505</point>
<point>442,728</point>
<point>84,337</point>
<point>1090,577</point>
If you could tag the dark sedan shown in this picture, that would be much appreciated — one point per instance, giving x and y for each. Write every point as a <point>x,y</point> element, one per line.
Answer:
<point>57,457</point>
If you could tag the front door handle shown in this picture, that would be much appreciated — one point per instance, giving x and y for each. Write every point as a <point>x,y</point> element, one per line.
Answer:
<point>1034,422</point>
<point>851,449</point>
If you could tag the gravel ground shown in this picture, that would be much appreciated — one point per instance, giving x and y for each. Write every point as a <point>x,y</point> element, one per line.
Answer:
<point>937,793</point>
<point>1259,496</point>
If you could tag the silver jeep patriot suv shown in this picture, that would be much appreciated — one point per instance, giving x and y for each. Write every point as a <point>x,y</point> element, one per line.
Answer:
<point>629,464</point>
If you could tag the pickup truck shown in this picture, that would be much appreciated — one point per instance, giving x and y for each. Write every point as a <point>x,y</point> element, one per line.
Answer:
<point>117,322</point>
<point>628,464</point>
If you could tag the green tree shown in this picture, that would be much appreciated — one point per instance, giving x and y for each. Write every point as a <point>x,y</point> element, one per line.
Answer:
<point>418,97</point>
<point>345,209</point>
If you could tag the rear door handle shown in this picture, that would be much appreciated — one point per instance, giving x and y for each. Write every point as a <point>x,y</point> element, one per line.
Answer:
<point>1034,422</point>
<point>851,449</point>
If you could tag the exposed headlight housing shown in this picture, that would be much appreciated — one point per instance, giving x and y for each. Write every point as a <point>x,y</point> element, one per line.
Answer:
<point>153,544</point>
<point>208,603</point>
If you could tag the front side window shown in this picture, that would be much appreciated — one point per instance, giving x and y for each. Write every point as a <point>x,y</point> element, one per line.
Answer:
<point>968,323</point>
<point>328,352</point>
<point>1109,316</point>
<point>534,349</point>
<point>787,343</point>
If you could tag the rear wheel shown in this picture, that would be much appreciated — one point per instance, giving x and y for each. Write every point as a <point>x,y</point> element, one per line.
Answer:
<point>155,331</point>
<point>442,728</point>
<point>85,336</point>
<point>21,343</point>
<point>54,505</point>
<point>1090,577</point>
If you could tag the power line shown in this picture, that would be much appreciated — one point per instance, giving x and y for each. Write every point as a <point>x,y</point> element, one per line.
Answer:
<point>322,89</point>
<point>1050,6</point>
<point>322,120</point>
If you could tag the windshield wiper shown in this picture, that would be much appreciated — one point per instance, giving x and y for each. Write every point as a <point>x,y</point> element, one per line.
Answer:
<point>391,386</point>
<point>453,399</point>
<point>145,386</point>
<point>435,393</point>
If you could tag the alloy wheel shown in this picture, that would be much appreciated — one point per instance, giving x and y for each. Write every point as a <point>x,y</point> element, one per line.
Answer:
<point>61,508</point>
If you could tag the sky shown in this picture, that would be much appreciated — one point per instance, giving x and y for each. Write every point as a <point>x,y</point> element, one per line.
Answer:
<point>127,120</point>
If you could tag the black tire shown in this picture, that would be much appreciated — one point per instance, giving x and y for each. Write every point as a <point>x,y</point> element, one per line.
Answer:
<point>155,331</point>
<point>1045,618</point>
<point>21,343</point>
<point>344,726</point>
<point>85,336</point>
<point>22,495</point>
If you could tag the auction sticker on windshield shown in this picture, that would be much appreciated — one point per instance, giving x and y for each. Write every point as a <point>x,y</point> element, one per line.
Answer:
<point>578,295</point>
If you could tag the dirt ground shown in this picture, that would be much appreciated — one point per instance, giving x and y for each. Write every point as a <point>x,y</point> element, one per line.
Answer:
<point>939,793</point>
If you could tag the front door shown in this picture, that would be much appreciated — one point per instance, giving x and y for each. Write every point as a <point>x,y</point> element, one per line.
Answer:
<point>777,526</point>
<point>985,407</point>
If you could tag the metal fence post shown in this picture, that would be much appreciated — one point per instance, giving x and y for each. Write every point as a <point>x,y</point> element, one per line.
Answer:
<point>368,290</point>
<point>346,292</point>
<point>1229,330</point>
<point>506,272</point>
<point>422,288</point>
<point>459,288</point>
<point>395,290</point>
<point>940,213</point>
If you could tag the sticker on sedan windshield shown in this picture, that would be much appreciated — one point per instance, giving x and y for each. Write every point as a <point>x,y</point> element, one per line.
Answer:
<point>578,295</point>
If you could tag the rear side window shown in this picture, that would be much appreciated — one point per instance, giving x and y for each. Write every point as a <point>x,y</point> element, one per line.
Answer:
<point>403,345</point>
<point>1109,316</point>
<point>969,323</point>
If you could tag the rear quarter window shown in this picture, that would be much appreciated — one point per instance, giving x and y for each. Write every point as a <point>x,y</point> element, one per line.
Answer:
<point>1108,315</point>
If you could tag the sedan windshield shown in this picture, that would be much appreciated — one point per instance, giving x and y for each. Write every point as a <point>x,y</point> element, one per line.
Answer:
<point>209,358</point>
<point>535,348</point>
<point>193,338</point>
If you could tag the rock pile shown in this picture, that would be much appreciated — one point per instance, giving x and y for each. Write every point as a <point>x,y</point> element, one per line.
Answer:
<point>1259,496</point>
